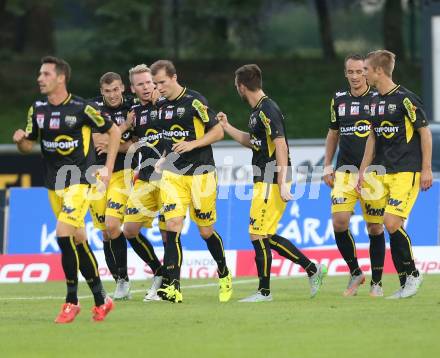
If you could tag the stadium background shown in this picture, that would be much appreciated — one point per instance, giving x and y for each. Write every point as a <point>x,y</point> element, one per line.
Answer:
<point>299,45</point>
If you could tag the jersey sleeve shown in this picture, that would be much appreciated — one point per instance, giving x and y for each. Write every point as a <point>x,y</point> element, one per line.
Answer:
<point>32,130</point>
<point>414,109</point>
<point>93,117</point>
<point>334,122</point>
<point>272,120</point>
<point>203,112</point>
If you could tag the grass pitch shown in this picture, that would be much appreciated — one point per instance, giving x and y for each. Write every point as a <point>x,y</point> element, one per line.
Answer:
<point>291,326</point>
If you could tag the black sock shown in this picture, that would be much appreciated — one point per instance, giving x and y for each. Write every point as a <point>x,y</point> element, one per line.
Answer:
<point>88,266</point>
<point>288,250</point>
<point>173,257</point>
<point>377,257</point>
<point>263,260</point>
<point>165,276</point>
<point>215,247</point>
<point>70,263</point>
<point>347,248</point>
<point>118,247</point>
<point>110,260</point>
<point>397,261</point>
<point>145,251</point>
<point>403,251</point>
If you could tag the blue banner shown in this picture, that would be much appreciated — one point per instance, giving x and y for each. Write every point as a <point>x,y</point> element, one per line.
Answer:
<point>306,221</point>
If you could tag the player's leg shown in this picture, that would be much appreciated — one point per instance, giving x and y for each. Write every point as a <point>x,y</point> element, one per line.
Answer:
<point>344,198</point>
<point>176,196</point>
<point>404,189</point>
<point>377,257</point>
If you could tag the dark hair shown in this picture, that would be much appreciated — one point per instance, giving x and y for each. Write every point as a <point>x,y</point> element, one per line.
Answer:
<point>168,66</point>
<point>354,57</point>
<point>109,77</point>
<point>250,76</point>
<point>61,66</point>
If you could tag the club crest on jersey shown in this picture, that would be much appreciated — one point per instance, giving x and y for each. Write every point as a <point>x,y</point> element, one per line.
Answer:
<point>153,115</point>
<point>392,108</point>
<point>381,110</point>
<point>354,110</point>
<point>70,121</point>
<point>40,120</point>
<point>54,123</point>
<point>341,109</point>
<point>168,114</point>
<point>180,111</point>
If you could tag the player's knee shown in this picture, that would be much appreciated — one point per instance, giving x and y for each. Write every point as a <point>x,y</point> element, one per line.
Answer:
<point>113,228</point>
<point>374,229</point>
<point>340,224</point>
<point>130,231</point>
<point>206,231</point>
<point>392,226</point>
<point>175,224</point>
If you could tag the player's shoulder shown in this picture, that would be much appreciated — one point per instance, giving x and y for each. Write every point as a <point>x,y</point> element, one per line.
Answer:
<point>404,92</point>
<point>269,105</point>
<point>40,103</point>
<point>98,100</point>
<point>340,95</point>
<point>191,95</point>
<point>78,101</point>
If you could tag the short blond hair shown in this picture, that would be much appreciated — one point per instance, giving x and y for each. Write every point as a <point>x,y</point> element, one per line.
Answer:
<point>142,68</point>
<point>383,59</point>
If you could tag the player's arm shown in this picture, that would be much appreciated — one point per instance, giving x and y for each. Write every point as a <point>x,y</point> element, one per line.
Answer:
<point>239,136</point>
<point>24,145</point>
<point>113,146</point>
<point>282,159</point>
<point>331,143</point>
<point>426,146</point>
<point>368,157</point>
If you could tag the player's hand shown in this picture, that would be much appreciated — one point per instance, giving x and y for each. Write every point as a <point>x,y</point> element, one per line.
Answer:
<point>104,174</point>
<point>101,147</point>
<point>360,183</point>
<point>19,136</point>
<point>222,118</point>
<point>329,176</point>
<point>285,193</point>
<point>425,179</point>
<point>154,96</point>
<point>184,147</point>
<point>158,165</point>
<point>129,120</point>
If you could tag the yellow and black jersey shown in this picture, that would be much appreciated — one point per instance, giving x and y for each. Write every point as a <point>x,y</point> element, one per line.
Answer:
<point>117,115</point>
<point>65,133</point>
<point>350,116</point>
<point>185,119</point>
<point>396,116</point>
<point>147,127</point>
<point>265,124</point>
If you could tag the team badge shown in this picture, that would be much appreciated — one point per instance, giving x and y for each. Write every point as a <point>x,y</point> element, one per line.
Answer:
<point>40,120</point>
<point>168,114</point>
<point>180,111</point>
<point>354,110</point>
<point>381,110</point>
<point>392,108</point>
<point>54,123</point>
<point>153,115</point>
<point>341,109</point>
<point>70,121</point>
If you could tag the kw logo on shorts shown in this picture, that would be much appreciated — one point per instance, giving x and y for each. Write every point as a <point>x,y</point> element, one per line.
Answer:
<point>169,207</point>
<point>67,209</point>
<point>374,211</point>
<point>114,205</point>
<point>336,201</point>
<point>131,211</point>
<point>394,202</point>
<point>203,216</point>
<point>63,144</point>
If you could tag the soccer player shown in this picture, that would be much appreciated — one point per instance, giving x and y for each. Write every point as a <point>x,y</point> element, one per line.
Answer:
<point>350,126</point>
<point>403,142</point>
<point>272,181</point>
<point>188,178</point>
<point>107,209</point>
<point>63,123</point>
<point>144,200</point>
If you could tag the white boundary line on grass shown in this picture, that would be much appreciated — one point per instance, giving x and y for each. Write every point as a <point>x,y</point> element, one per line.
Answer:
<point>239,282</point>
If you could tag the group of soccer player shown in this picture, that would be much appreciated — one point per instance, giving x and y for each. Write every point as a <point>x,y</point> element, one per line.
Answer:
<point>132,158</point>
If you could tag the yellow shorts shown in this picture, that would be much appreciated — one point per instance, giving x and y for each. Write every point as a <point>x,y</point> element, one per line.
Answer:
<point>70,204</point>
<point>344,195</point>
<point>401,190</point>
<point>198,192</point>
<point>112,202</point>
<point>144,203</point>
<point>267,208</point>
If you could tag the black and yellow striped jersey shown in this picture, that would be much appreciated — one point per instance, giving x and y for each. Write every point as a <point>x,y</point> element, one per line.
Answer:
<point>65,133</point>
<point>147,128</point>
<point>350,116</point>
<point>265,124</point>
<point>117,115</point>
<point>396,117</point>
<point>187,118</point>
